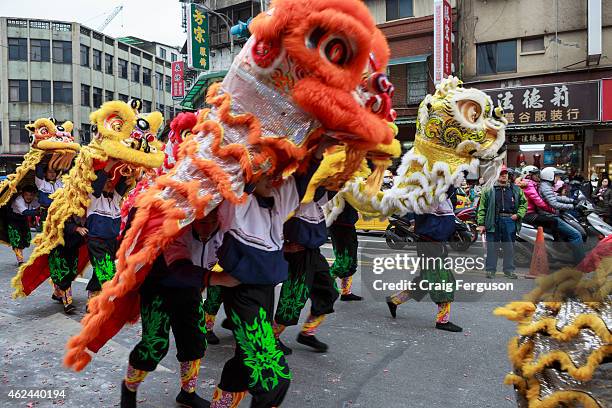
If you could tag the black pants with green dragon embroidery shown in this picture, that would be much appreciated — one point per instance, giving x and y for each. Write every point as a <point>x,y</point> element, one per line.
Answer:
<point>345,244</point>
<point>63,262</point>
<point>309,277</point>
<point>258,364</point>
<point>213,301</point>
<point>102,257</point>
<point>19,233</point>
<point>162,309</point>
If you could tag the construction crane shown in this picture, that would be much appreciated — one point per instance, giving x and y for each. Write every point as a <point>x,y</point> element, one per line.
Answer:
<point>110,18</point>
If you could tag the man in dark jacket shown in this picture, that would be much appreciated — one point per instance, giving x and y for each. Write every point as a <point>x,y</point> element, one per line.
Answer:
<point>500,212</point>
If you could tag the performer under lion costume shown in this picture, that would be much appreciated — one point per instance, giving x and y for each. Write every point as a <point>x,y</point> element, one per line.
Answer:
<point>311,68</point>
<point>52,147</point>
<point>121,136</point>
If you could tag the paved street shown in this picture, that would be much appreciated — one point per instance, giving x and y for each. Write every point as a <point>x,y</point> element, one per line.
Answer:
<point>374,361</point>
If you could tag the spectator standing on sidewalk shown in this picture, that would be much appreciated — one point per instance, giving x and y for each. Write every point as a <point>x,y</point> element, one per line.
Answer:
<point>500,212</point>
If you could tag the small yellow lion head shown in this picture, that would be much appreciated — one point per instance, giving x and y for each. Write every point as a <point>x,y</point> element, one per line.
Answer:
<point>123,133</point>
<point>46,134</point>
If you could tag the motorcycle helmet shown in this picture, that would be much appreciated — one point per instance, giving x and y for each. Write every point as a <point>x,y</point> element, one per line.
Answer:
<point>527,170</point>
<point>548,174</point>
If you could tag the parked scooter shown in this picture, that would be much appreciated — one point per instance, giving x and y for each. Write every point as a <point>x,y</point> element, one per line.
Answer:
<point>400,234</point>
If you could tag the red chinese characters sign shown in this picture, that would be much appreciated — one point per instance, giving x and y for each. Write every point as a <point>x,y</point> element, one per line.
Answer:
<point>549,104</point>
<point>443,28</point>
<point>178,81</point>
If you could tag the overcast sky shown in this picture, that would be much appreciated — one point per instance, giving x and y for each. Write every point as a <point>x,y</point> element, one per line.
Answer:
<point>155,20</point>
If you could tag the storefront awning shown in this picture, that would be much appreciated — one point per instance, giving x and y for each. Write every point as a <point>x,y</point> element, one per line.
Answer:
<point>409,60</point>
<point>199,87</point>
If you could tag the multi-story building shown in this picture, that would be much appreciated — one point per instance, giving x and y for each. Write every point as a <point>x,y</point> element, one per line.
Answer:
<point>66,70</point>
<point>408,26</point>
<point>532,58</point>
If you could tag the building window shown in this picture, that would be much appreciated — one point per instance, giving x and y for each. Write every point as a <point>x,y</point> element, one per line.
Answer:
<point>497,57</point>
<point>146,106</point>
<point>123,97</point>
<point>97,60</point>
<point>146,76</point>
<point>41,91</point>
<point>18,90</point>
<point>110,95</point>
<point>85,98</point>
<point>168,83</point>
<point>18,134</point>
<point>135,72</point>
<point>85,133</point>
<point>173,57</point>
<point>84,56</point>
<point>532,45</point>
<point>417,74</point>
<point>40,50</point>
<point>18,49</point>
<point>123,68</point>
<point>159,80</point>
<point>397,9</point>
<point>62,52</point>
<point>162,53</point>
<point>97,97</point>
<point>108,64</point>
<point>62,92</point>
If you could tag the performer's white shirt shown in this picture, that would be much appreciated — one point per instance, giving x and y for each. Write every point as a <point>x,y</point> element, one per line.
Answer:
<point>19,205</point>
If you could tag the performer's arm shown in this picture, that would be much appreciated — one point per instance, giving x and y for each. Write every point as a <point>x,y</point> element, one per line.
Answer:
<point>98,184</point>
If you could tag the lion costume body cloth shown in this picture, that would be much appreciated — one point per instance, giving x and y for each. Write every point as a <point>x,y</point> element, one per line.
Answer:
<point>562,355</point>
<point>118,133</point>
<point>311,68</point>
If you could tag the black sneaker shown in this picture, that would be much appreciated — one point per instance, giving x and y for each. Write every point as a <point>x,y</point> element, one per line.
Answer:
<point>392,309</point>
<point>191,400</point>
<point>350,297</point>
<point>69,309</point>
<point>57,298</point>
<point>211,337</point>
<point>490,275</point>
<point>128,398</point>
<point>448,326</point>
<point>311,341</point>
<point>227,324</point>
<point>511,275</point>
<point>285,349</point>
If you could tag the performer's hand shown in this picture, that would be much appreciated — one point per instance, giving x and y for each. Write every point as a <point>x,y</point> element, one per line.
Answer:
<point>82,230</point>
<point>514,217</point>
<point>223,279</point>
<point>481,229</point>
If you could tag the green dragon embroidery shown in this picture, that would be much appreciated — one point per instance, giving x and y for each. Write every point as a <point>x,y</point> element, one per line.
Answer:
<point>262,356</point>
<point>104,268</point>
<point>213,300</point>
<point>342,264</point>
<point>13,236</point>
<point>202,319</point>
<point>293,296</point>
<point>155,331</point>
<point>59,268</point>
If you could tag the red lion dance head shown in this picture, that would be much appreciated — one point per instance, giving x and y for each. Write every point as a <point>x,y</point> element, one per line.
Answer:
<point>311,68</point>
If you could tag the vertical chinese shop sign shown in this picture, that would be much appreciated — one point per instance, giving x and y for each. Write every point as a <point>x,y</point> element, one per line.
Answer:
<point>178,79</point>
<point>198,42</point>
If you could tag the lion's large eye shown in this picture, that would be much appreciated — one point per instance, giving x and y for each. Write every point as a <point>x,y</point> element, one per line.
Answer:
<point>470,110</point>
<point>335,48</point>
<point>114,123</point>
<point>43,130</point>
